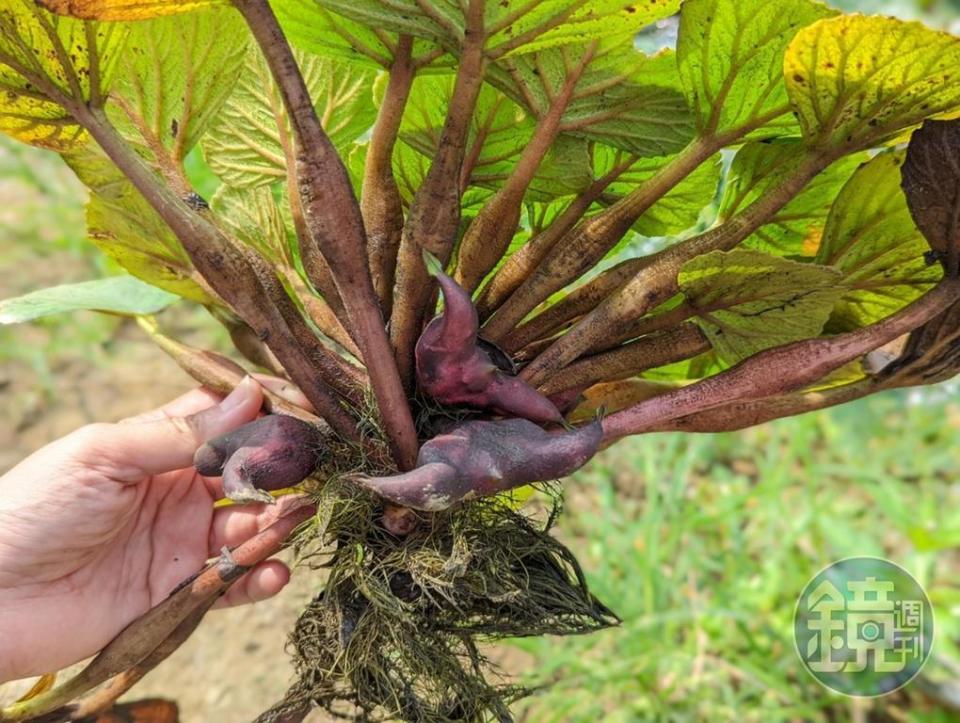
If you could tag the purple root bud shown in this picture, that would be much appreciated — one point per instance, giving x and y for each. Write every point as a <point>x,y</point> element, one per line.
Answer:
<point>269,453</point>
<point>481,458</point>
<point>455,369</point>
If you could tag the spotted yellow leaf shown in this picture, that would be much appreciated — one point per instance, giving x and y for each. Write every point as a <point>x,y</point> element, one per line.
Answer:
<point>125,9</point>
<point>857,81</point>
<point>47,61</point>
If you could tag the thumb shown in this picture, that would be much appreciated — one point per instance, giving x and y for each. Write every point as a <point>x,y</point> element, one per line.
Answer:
<point>137,450</point>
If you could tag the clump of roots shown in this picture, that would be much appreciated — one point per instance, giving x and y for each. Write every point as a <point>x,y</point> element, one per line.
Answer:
<point>394,634</point>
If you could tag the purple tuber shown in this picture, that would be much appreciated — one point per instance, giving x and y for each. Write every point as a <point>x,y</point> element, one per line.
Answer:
<point>480,458</point>
<point>454,369</point>
<point>269,453</point>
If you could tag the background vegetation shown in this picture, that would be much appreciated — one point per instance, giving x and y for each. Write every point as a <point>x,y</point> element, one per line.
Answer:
<point>700,543</point>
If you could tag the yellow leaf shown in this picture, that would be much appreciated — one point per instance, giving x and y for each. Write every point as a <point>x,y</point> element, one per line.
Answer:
<point>856,81</point>
<point>125,9</point>
<point>46,61</point>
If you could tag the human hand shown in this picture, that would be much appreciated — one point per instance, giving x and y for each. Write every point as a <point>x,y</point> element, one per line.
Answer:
<point>101,525</point>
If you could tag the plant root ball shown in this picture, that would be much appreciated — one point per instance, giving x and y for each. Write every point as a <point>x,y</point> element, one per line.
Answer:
<point>455,369</point>
<point>269,453</point>
<point>481,458</point>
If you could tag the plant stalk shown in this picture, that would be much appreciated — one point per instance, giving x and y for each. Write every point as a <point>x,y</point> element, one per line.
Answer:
<point>588,243</point>
<point>657,282</point>
<point>488,237</point>
<point>434,216</point>
<point>380,203</point>
<point>779,370</point>
<point>526,259</point>
<point>335,230</point>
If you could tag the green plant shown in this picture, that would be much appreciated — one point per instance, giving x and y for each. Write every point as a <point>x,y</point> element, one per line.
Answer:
<point>526,149</point>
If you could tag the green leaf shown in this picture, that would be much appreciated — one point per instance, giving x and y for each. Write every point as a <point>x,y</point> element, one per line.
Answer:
<point>115,295</point>
<point>796,229</point>
<point>253,216</point>
<point>499,132</point>
<point>931,182</point>
<point>857,81</point>
<point>679,209</point>
<point>624,98</point>
<point>730,54</point>
<point>512,25</point>
<point>315,29</point>
<point>177,75</point>
<point>747,301</point>
<point>249,143</point>
<point>126,228</point>
<point>45,58</point>
<point>126,9</point>
<point>871,238</point>
<point>584,21</point>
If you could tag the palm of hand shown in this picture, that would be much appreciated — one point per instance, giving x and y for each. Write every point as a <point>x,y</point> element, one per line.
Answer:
<point>92,534</point>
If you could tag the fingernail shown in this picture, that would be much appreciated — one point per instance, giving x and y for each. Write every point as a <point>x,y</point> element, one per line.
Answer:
<point>238,395</point>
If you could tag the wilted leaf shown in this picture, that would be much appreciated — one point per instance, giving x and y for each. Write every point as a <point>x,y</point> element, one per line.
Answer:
<point>624,98</point>
<point>747,301</point>
<point>45,58</point>
<point>872,240</point>
<point>127,229</point>
<point>931,182</point>
<point>730,54</point>
<point>249,143</point>
<point>177,73</point>
<point>116,295</point>
<point>126,9</point>
<point>758,169</point>
<point>856,81</point>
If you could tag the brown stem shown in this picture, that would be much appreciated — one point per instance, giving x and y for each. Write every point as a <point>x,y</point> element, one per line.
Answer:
<point>246,341</point>
<point>319,311</point>
<point>589,242</point>
<point>523,262</point>
<point>488,236</point>
<point>380,202</point>
<point>148,632</point>
<point>219,373</point>
<point>647,352</point>
<point>339,374</point>
<point>574,305</point>
<point>472,156</point>
<point>336,230</point>
<point>223,265</point>
<point>100,701</point>
<point>434,215</point>
<point>779,370</point>
<point>657,282</point>
<point>751,412</point>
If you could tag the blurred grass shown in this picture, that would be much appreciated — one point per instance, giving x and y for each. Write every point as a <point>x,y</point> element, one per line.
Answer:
<point>702,544</point>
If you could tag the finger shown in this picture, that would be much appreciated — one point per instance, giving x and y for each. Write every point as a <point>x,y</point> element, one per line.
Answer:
<point>285,389</point>
<point>264,581</point>
<point>133,451</point>
<point>196,400</point>
<point>235,525</point>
